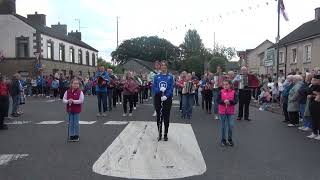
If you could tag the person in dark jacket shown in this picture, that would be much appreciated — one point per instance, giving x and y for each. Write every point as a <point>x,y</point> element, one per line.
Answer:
<point>285,94</point>
<point>15,94</point>
<point>303,93</point>
<point>4,102</point>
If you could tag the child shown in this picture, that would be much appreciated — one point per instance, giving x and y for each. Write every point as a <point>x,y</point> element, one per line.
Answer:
<point>73,97</point>
<point>227,99</point>
<point>130,88</point>
<point>264,99</point>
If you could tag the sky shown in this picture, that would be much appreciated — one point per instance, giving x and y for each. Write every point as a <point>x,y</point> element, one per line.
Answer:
<point>242,24</point>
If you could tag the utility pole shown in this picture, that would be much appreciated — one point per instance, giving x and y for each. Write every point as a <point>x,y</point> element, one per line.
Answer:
<point>79,24</point>
<point>278,39</point>
<point>117,31</point>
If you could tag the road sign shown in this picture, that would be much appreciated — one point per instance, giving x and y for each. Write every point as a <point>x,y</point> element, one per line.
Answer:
<point>269,57</point>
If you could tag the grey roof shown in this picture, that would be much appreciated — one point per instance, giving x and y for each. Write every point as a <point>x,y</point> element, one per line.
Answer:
<point>50,32</point>
<point>147,64</point>
<point>306,30</point>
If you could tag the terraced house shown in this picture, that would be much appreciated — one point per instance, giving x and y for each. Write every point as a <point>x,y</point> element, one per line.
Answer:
<point>23,39</point>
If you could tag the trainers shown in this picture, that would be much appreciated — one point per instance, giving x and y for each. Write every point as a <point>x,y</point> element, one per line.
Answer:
<point>130,114</point>
<point>124,114</point>
<point>317,138</point>
<point>104,114</point>
<point>230,142</point>
<point>306,129</point>
<point>159,137</point>
<point>154,114</point>
<point>120,103</point>
<point>76,139</point>
<point>291,125</point>
<point>312,136</point>
<point>260,109</point>
<point>117,103</point>
<point>224,143</point>
<point>99,114</point>
<point>301,128</point>
<point>165,138</point>
<point>134,108</point>
<point>216,117</point>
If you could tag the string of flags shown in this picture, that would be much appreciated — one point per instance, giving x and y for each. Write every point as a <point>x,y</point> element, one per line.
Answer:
<point>221,16</point>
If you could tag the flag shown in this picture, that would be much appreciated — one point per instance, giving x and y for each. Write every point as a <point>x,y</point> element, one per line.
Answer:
<point>283,10</point>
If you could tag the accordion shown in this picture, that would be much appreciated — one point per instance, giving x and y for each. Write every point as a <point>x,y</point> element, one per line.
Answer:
<point>101,82</point>
<point>188,88</point>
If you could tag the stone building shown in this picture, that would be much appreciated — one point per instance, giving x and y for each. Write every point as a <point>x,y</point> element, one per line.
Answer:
<point>23,39</point>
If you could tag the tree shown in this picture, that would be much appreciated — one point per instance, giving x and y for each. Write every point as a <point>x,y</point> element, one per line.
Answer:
<point>108,65</point>
<point>192,44</point>
<point>146,48</point>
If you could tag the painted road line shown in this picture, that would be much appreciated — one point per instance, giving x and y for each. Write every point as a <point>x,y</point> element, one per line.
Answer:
<point>152,105</point>
<point>87,122</point>
<point>137,154</point>
<point>175,102</point>
<point>50,122</point>
<point>116,123</point>
<point>6,158</point>
<point>17,122</point>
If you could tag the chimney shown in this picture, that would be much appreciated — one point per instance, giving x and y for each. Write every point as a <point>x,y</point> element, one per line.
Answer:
<point>76,35</point>
<point>317,14</point>
<point>61,28</point>
<point>7,6</point>
<point>37,19</point>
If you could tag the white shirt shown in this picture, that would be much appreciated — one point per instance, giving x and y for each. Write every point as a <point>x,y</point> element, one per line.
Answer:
<point>80,101</point>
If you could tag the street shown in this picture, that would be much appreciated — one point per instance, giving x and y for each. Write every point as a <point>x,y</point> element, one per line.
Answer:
<point>35,147</point>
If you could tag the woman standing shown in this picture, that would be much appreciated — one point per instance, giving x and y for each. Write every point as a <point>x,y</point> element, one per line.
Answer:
<point>293,101</point>
<point>130,88</point>
<point>207,93</point>
<point>15,94</point>
<point>162,87</point>
<point>188,92</point>
<point>4,102</point>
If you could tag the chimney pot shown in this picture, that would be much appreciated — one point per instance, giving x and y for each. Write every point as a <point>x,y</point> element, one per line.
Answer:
<point>36,12</point>
<point>317,14</point>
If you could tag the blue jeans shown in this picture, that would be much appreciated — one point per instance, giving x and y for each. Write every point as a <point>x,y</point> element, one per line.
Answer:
<point>15,104</point>
<point>102,99</point>
<point>307,121</point>
<point>73,128</point>
<point>215,94</point>
<point>226,124</point>
<point>187,103</point>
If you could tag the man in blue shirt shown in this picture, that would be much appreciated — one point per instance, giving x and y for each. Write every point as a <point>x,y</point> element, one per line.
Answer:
<point>102,79</point>
<point>162,88</point>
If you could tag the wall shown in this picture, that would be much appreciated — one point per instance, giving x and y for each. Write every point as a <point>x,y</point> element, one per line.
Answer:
<point>253,58</point>
<point>67,45</point>
<point>10,28</point>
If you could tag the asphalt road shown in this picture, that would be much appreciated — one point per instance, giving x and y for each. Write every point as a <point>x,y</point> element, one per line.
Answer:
<point>265,148</point>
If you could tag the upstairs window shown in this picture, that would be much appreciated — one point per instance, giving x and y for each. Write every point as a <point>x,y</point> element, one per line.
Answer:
<point>307,53</point>
<point>80,56</point>
<point>22,47</point>
<point>93,59</point>
<point>281,57</point>
<point>87,58</point>
<point>71,53</point>
<point>50,50</point>
<point>61,52</point>
<point>294,55</point>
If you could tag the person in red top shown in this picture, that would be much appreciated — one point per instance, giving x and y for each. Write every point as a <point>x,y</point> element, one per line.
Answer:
<point>180,85</point>
<point>4,102</point>
<point>130,88</point>
<point>73,97</point>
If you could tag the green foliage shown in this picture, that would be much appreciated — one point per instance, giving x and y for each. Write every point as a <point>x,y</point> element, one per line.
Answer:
<point>146,48</point>
<point>108,65</point>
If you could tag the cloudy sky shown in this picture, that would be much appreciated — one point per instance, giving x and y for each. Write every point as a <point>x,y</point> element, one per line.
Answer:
<point>242,24</point>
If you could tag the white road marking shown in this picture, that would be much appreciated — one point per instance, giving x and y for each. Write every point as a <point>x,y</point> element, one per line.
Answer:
<point>6,158</point>
<point>50,122</point>
<point>137,154</point>
<point>116,123</point>
<point>18,122</point>
<point>152,105</point>
<point>87,122</point>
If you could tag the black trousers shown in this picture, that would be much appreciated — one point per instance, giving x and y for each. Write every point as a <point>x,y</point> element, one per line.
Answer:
<point>110,98</point>
<point>285,111</point>
<point>180,97</point>
<point>126,99</point>
<point>141,94</point>
<point>208,102</point>
<point>294,118</point>
<point>102,99</point>
<point>244,102</point>
<point>114,97</point>
<point>314,110</point>
<point>55,93</point>
<point>4,109</point>
<point>163,113</point>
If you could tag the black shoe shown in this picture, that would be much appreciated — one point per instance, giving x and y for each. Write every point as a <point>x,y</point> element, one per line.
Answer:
<point>230,142</point>
<point>159,137</point>
<point>76,138</point>
<point>71,138</point>
<point>165,137</point>
<point>224,143</point>
<point>4,127</point>
<point>239,119</point>
<point>15,115</point>
<point>247,119</point>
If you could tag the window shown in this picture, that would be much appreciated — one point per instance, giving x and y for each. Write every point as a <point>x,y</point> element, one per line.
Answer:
<point>261,57</point>
<point>294,55</point>
<point>281,57</point>
<point>22,47</point>
<point>80,56</point>
<point>61,52</point>
<point>50,50</point>
<point>307,53</point>
<point>87,58</point>
<point>71,53</point>
<point>93,59</point>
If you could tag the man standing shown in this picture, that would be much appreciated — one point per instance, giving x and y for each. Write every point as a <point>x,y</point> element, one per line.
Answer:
<point>218,82</point>
<point>151,76</point>
<point>162,88</point>
<point>195,80</point>
<point>102,79</point>
<point>110,88</point>
<point>244,79</point>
